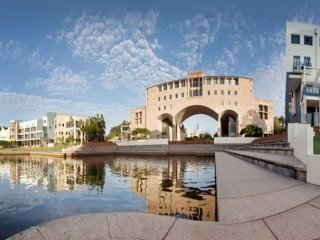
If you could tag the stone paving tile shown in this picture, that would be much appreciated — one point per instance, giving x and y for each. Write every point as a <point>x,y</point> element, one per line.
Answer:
<point>138,225</point>
<point>315,202</point>
<point>190,230</point>
<point>300,223</point>
<point>29,234</point>
<point>258,186</point>
<point>91,226</point>
<point>235,210</point>
<point>230,169</point>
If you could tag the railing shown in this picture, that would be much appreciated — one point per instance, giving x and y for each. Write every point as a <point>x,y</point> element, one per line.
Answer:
<point>308,118</point>
<point>311,89</point>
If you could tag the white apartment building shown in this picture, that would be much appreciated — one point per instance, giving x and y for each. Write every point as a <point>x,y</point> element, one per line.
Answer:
<point>31,132</point>
<point>48,129</point>
<point>68,128</point>
<point>5,134</point>
<point>303,73</point>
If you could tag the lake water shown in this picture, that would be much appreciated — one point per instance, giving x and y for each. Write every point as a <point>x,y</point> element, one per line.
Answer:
<point>35,190</point>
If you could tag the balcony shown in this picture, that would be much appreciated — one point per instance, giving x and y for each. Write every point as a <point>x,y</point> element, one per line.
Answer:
<point>308,118</point>
<point>311,89</point>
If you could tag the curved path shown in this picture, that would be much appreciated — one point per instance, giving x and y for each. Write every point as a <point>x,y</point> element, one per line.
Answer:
<point>253,203</point>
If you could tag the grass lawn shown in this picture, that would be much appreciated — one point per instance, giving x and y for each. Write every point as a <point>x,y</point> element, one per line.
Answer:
<point>56,149</point>
<point>316,145</point>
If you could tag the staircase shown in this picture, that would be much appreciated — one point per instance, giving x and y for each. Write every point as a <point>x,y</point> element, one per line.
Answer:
<point>273,153</point>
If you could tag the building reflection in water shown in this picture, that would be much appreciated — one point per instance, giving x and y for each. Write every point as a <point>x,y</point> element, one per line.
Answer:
<point>174,186</point>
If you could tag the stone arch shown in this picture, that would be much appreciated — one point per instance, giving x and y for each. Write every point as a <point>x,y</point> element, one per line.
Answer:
<point>165,126</point>
<point>229,123</point>
<point>191,110</point>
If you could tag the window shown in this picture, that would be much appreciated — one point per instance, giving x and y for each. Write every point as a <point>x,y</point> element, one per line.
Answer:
<point>159,99</point>
<point>263,111</point>
<point>296,62</point>
<point>164,107</point>
<point>236,103</point>
<point>308,40</point>
<point>222,81</point>
<point>171,85</point>
<point>165,87</point>
<point>176,84</point>
<point>183,83</point>
<point>159,108</point>
<point>164,97</point>
<point>214,81</point>
<point>229,81</point>
<point>182,94</point>
<point>229,92</point>
<point>309,88</point>
<point>236,92</point>
<point>208,81</point>
<point>176,95</point>
<point>159,88</point>
<point>170,96</point>
<point>236,81</point>
<point>307,61</point>
<point>222,92</point>
<point>215,92</point>
<point>209,92</point>
<point>295,38</point>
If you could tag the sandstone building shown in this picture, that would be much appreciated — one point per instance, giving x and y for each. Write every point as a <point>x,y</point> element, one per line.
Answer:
<point>227,99</point>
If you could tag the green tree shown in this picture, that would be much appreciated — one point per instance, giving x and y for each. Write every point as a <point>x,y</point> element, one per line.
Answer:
<point>115,131</point>
<point>140,133</point>
<point>279,125</point>
<point>94,128</point>
<point>206,136</point>
<point>251,131</point>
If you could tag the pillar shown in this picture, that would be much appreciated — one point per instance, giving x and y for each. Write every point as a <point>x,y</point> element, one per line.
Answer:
<point>178,132</point>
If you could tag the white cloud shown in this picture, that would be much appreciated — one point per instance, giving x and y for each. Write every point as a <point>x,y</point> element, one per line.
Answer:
<point>198,33</point>
<point>269,80</point>
<point>61,81</point>
<point>305,14</point>
<point>49,37</point>
<point>123,46</point>
<point>37,62</point>
<point>11,50</point>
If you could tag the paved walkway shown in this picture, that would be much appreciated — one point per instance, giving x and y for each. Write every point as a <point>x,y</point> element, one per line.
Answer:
<point>253,203</point>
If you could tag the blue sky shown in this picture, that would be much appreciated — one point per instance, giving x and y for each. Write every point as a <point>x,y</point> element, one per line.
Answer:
<point>88,57</point>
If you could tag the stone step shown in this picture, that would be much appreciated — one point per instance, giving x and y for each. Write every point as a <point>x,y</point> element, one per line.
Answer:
<point>289,166</point>
<point>273,150</point>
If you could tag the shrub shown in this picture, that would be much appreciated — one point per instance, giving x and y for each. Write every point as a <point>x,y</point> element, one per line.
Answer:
<point>251,131</point>
<point>8,144</point>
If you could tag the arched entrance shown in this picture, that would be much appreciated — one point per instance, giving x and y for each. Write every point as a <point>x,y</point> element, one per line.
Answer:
<point>229,123</point>
<point>190,111</point>
<point>166,126</point>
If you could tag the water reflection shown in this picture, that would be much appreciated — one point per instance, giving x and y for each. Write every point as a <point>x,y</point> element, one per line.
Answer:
<point>184,187</point>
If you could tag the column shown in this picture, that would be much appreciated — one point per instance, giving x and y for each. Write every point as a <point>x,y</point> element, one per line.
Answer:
<point>178,132</point>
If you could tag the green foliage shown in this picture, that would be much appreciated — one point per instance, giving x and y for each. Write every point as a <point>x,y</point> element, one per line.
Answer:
<point>94,128</point>
<point>8,144</point>
<point>115,131</point>
<point>279,125</point>
<point>70,139</point>
<point>206,136</point>
<point>251,131</point>
<point>140,133</point>
<point>316,145</point>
